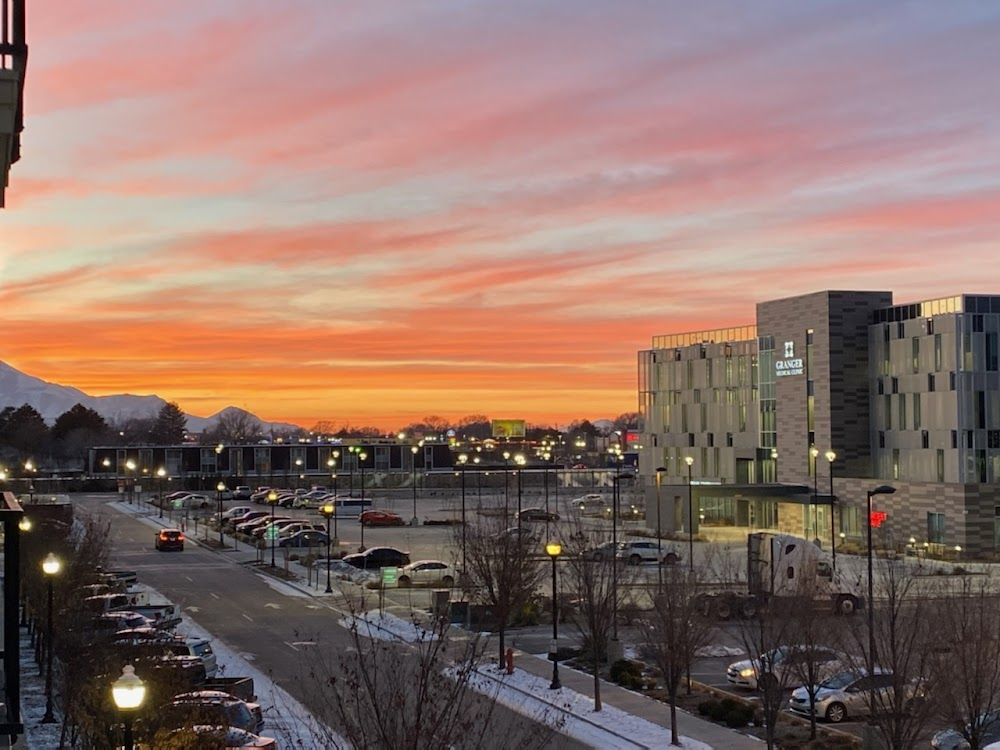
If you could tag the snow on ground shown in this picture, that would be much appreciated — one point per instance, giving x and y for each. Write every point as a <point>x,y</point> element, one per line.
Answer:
<point>386,626</point>
<point>718,650</point>
<point>609,728</point>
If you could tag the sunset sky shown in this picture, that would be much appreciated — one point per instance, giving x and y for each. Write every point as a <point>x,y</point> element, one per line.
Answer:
<point>369,211</point>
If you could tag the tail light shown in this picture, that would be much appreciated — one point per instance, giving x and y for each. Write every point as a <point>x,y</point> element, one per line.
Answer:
<point>180,537</point>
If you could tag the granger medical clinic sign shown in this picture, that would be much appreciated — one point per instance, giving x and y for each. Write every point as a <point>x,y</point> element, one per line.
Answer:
<point>790,365</point>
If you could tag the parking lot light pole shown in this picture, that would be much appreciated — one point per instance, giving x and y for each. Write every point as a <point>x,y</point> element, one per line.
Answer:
<point>689,460</point>
<point>831,457</point>
<point>659,533</point>
<point>220,488</point>
<point>520,461</point>
<point>329,510</point>
<point>160,474</point>
<point>554,549</point>
<point>506,487</point>
<point>882,489</point>
<point>413,481</point>
<point>462,459</point>
<point>51,567</point>
<point>272,500</point>
<point>130,466</point>
<point>361,460</point>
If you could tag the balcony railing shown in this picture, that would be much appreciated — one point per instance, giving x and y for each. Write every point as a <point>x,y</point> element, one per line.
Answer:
<point>14,57</point>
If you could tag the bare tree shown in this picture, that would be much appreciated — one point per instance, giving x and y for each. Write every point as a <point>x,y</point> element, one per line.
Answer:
<point>905,637</point>
<point>236,426</point>
<point>504,569</point>
<point>425,693</point>
<point>599,583</point>
<point>967,669</point>
<point>673,632</point>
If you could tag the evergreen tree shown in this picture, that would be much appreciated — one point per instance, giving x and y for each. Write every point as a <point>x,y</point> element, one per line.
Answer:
<point>170,426</point>
<point>79,418</point>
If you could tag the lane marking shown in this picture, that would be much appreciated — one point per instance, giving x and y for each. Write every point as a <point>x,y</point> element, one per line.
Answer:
<point>290,646</point>
<point>214,594</point>
<point>248,617</point>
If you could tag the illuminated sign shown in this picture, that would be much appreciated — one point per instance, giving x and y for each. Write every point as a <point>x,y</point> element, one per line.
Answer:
<point>508,428</point>
<point>876,518</point>
<point>790,365</point>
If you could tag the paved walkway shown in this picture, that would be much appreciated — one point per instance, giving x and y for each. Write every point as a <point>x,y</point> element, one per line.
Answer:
<point>628,701</point>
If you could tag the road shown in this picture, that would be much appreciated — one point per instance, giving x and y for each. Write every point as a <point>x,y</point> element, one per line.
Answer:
<point>280,634</point>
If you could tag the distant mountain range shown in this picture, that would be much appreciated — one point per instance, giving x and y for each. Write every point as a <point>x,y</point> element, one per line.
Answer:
<point>52,399</point>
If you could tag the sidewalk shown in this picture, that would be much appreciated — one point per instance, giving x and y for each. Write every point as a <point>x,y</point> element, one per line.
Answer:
<point>624,700</point>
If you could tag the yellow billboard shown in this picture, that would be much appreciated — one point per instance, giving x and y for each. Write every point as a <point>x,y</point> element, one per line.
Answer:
<point>508,428</point>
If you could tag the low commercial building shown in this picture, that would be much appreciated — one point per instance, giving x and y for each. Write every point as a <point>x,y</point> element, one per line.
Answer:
<point>789,423</point>
<point>13,59</point>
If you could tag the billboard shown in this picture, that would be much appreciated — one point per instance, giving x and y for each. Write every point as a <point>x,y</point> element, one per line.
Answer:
<point>508,428</point>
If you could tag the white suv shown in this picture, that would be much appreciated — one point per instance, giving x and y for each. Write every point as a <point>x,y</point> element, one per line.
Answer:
<point>638,552</point>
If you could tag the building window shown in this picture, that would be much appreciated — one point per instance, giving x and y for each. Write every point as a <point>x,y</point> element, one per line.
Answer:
<point>977,324</point>
<point>935,528</point>
<point>881,439</point>
<point>925,439</point>
<point>993,439</point>
<point>729,440</point>
<point>930,382</point>
<point>981,466</point>
<point>711,439</point>
<point>690,440</point>
<point>954,438</point>
<point>981,410</point>
<point>895,385</point>
<point>952,381</point>
<point>880,387</point>
<point>937,352</point>
<point>697,395</point>
<point>902,413</point>
<point>916,354</point>
<point>991,351</point>
<point>900,330</point>
<point>895,463</point>
<point>930,325</point>
<point>916,411</point>
<point>888,412</point>
<point>970,439</point>
<point>940,465</point>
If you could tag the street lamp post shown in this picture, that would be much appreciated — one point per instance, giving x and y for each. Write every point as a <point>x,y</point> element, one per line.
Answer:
<point>130,466</point>
<point>160,473</point>
<point>814,453</point>
<point>506,488</point>
<point>24,525</point>
<point>659,532</point>
<point>51,567</point>
<point>774,458</point>
<point>361,461</point>
<point>689,460</point>
<point>352,450</point>
<point>299,476</point>
<point>554,549</point>
<point>413,481</point>
<point>272,500</point>
<point>882,489</point>
<point>461,462</point>
<point>329,510</point>
<point>479,483</point>
<point>220,488</point>
<point>520,461</point>
<point>128,692</point>
<point>830,458</point>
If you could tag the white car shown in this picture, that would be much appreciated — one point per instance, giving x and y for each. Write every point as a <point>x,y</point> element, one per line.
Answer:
<point>784,664</point>
<point>426,573</point>
<point>192,500</point>
<point>638,552</point>
<point>590,502</point>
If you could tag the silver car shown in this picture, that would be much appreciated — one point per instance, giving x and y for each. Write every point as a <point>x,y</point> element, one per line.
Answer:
<point>848,694</point>
<point>784,665</point>
<point>952,739</point>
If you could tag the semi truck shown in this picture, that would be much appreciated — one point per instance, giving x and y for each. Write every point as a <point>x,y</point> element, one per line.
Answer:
<point>782,566</point>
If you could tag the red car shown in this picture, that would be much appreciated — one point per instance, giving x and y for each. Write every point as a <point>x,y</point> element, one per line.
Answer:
<point>380,518</point>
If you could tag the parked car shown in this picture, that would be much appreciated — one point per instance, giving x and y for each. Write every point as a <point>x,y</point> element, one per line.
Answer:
<point>426,573</point>
<point>263,530</point>
<point>848,695</point>
<point>783,664</point>
<point>288,529</point>
<point>380,518</point>
<point>235,512</point>
<point>108,624</point>
<point>192,500</point>
<point>537,514</point>
<point>987,731</point>
<point>304,538</point>
<point>518,535</point>
<point>224,738</point>
<point>603,551</point>
<point>378,557</point>
<point>242,492</point>
<point>636,552</point>
<point>151,641</point>
<point>593,501</point>
<point>209,707</point>
<point>250,515</point>
<point>170,539</point>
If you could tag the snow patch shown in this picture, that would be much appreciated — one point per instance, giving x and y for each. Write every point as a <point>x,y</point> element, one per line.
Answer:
<point>718,650</point>
<point>385,626</point>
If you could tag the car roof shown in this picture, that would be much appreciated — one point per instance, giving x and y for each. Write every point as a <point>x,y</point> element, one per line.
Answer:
<point>424,562</point>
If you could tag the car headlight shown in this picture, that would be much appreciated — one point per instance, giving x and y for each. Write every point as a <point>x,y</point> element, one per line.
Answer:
<point>748,672</point>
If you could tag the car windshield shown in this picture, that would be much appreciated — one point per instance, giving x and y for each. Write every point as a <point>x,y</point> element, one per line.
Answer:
<point>839,681</point>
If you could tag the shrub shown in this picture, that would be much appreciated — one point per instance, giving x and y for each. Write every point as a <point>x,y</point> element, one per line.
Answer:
<point>728,711</point>
<point>626,673</point>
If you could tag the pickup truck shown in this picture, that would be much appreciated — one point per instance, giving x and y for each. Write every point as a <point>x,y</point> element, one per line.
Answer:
<point>241,687</point>
<point>164,614</point>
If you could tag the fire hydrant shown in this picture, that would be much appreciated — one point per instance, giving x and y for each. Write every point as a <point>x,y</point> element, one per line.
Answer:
<point>510,661</point>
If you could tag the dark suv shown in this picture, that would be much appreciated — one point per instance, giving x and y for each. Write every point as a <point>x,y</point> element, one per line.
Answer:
<point>170,539</point>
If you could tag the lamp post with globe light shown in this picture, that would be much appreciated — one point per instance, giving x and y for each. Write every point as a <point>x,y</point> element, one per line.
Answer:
<point>413,481</point>
<point>554,549</point>
<point>130,466</point>
<point>128,692</point>
<point>272,500</point>
<point>361,461</point>
<point>462,459</point>
<point>520,460</point>
<point>220,488</point>
<point>51,567</point>
<point>689,460</point>
<point>830,458</point>
<point>160,474</point>
<point>24,526</point>
<point>329,511</point>
<point>506,488</point>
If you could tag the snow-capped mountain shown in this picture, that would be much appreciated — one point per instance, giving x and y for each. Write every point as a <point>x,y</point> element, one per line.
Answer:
<point>52,399</point>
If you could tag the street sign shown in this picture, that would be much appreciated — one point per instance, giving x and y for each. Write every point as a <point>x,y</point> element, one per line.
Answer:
<point>272,532</point>
<point>389,576</point>
<point>877,517</point>
<point>178,503</point>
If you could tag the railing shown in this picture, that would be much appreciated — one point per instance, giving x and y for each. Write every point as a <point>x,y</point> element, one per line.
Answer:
<point>14,56</point>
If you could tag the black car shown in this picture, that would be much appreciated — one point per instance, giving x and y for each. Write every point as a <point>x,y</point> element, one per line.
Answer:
<point>378,557</point>
<point>170,539</point>
<point>538,514</point>
<point>305,538</point>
